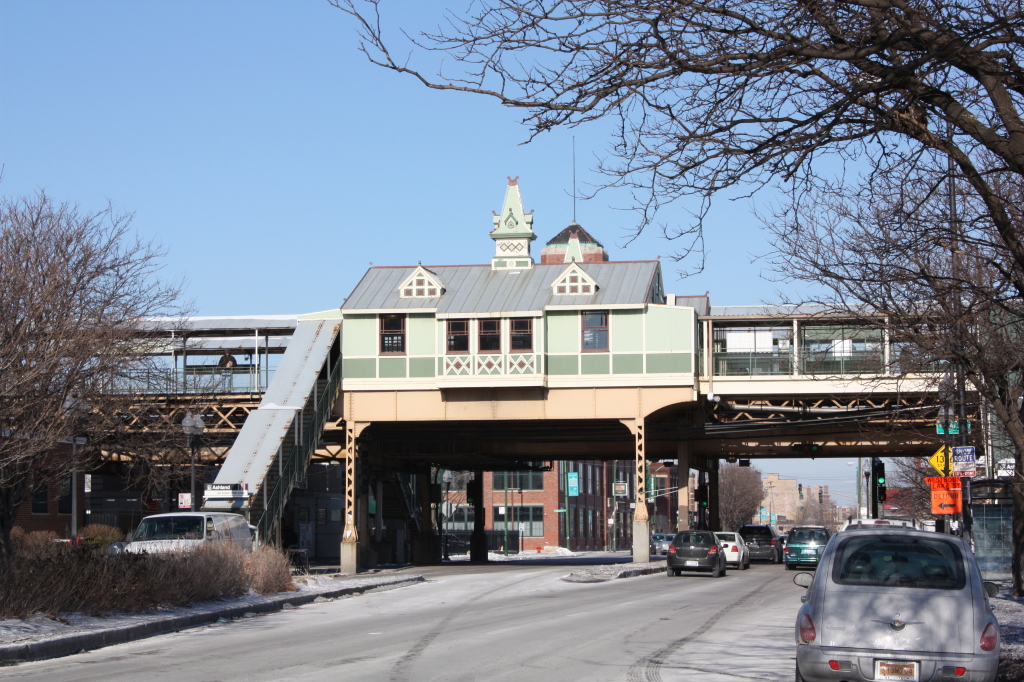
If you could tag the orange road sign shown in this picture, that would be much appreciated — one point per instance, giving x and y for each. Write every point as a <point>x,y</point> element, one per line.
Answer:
<point>947,502</point>
<point>943,482</point>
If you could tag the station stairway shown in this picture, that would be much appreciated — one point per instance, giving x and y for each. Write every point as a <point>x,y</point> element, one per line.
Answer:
<point>278,439</point>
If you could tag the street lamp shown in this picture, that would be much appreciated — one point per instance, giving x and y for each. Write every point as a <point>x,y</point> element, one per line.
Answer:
<point>75,408</point>
<point>193,428</point>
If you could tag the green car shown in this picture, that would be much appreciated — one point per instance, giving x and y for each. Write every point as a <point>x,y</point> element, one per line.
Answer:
<point>805,545</point>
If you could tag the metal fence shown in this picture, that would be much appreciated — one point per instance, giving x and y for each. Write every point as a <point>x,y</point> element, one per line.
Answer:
<point>457,541</point>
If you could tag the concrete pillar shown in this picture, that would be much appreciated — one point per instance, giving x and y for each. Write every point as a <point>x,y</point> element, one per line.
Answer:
<point>478,541</point>
<point>714,516</point>
<point>683,476</point>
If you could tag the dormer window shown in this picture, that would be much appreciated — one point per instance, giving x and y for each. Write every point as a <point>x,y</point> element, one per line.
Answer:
<point>574,282</point>
<point>421,284</point>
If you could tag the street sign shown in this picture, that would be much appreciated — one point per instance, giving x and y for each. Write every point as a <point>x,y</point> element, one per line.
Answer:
<point>573,478</point>
<point>943,482</point>
<point>184,500</point>
<point>954,427</point>
<point>938,460</point>
<point>964,463</point>
<point>522,528</point>
<point>621,489</point>
<point>946,502</point>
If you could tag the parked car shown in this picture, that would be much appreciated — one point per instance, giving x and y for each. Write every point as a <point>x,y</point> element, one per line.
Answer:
<point>696,550</point>
<point>735,549</point>
<point>184,531</point>
<point>896,604</point>
<point>660,543</point>
<point>805,546</point>
<point>763,542</point>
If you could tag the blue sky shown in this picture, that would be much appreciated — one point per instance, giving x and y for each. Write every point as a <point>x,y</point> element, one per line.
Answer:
<point>256,143</point>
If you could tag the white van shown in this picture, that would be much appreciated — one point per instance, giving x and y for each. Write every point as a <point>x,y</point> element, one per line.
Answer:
<point>183,531</point>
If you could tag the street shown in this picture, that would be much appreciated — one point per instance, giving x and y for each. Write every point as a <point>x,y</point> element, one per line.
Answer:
<point>503,621</point>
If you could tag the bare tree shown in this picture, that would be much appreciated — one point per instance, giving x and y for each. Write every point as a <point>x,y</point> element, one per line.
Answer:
<point>74,288</point>
<point>707,95</point>
<point>943,281</point>
<point>909,490</point>
<point>740,492</point>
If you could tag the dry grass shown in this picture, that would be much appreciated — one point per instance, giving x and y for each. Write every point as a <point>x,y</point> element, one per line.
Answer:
<point>50,577</point>
<point>268,571</point>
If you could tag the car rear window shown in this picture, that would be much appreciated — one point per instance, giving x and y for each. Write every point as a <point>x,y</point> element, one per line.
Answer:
<point>694,539</point>
<point>804,537</point>
<point>170,528</point>
<point>749,532</point>
<point>899,561</point>
<point>728,537</point>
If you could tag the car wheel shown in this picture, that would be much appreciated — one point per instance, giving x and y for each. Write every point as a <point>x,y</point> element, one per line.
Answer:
<point>725,568</point>
<point>716,572</point>
<point>744,565</point>
<point>799,677</point>
<point>790,567</point>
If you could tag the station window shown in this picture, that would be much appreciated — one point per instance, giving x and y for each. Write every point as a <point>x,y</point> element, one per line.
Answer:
<point>595,330</point>
<point>490,336</point>
<point>392,334</point>
<point>458,336</point>
<point>522,334</point>
<point>40,498</point>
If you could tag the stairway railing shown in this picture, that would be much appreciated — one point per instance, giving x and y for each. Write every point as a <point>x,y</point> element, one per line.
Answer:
<point>293,459</point>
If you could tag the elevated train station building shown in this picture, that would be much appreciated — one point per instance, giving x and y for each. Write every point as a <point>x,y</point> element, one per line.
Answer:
<point>334,430</point>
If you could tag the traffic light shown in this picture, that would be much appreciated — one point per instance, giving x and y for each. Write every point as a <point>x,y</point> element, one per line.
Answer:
<point>806,448</point>
<point>474,490</point>
<point>700,494</point>
<point>800,489</point>
<point>821,494</point>
<point>878,475</point>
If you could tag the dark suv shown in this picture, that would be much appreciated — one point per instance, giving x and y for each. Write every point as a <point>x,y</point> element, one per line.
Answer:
<point>763,542</point>
<point>696,550</point>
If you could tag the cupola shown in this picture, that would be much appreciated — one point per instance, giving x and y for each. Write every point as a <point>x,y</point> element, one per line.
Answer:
<point>513,232</point>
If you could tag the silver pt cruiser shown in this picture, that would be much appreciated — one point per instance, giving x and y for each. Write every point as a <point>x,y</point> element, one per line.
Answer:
<point>896,605</point>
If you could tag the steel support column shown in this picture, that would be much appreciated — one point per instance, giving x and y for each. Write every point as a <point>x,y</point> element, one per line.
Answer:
<point>683,492</point>
<point>478,540</point>
<point>714,515</point>
<point>350,535</point>
<point>641,517</point>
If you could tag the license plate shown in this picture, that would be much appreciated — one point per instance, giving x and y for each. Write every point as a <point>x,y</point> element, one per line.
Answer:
<point>898,671</point>
<point>810,551</point>
<point>690,563</point>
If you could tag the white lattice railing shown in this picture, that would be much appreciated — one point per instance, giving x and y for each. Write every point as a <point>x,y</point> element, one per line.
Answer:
<point>484,365</point>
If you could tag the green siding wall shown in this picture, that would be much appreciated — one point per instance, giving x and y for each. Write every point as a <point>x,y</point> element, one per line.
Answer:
<point>628,364</point>
<point>563,332</point>
<point>359,368</point>
<point>392,368</point>
<point>563,364</point>
<point>627,330</point>
<point>420,330</point>
<point>663,363</point>
<point>595,363</point>
<point>669,329</point>
<point>421,367</point>
<point>359,336</point>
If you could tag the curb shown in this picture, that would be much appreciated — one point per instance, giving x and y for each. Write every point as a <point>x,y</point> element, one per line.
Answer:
<point>87,641</point>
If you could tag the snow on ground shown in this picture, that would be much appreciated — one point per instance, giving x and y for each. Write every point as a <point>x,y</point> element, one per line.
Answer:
<point>500,556</point>
<point>37,627</point>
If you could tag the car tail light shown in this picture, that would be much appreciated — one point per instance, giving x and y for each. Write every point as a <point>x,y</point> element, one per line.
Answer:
<point>671,549</point>
<point>834,665</point>
<point>989,638</point>
<point>713,551</point>
<point>807,633</point>
<point>960,672</point>
<point>773,542</point>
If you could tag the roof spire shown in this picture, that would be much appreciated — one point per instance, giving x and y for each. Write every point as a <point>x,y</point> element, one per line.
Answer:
<point>513,232</point>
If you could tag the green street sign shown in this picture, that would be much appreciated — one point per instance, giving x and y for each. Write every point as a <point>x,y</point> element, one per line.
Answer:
<point>954,428</point>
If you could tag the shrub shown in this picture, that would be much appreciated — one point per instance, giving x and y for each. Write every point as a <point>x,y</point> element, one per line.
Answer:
<point>99,536</point>
<point>37,544</point>
<point>268,571</point>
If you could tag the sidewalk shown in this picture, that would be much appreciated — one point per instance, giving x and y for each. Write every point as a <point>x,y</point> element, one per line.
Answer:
<point>39,637</point>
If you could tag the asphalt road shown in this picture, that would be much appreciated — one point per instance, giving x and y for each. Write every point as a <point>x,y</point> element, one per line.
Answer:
<point>513,621</point>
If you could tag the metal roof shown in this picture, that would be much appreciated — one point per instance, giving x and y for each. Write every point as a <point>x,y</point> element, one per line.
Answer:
<point>478,289</point>
<point>767,310</point>
<point>232,323</point>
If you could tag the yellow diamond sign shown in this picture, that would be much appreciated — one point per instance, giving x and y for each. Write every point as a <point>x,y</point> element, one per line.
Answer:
<point>938,460</point>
